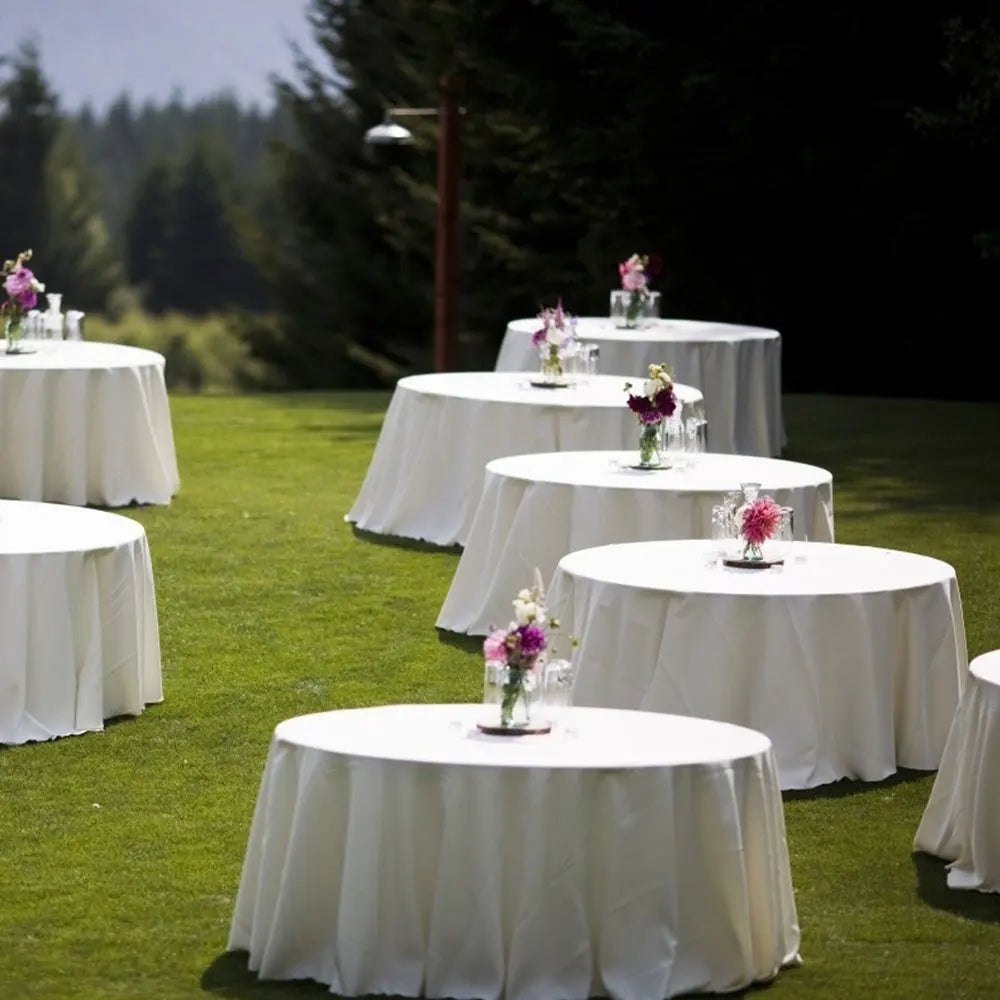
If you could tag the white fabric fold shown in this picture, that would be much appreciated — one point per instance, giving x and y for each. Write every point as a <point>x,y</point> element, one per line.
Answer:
<point>851,658</point>
<point>426,474</point>
<point>738,368</point>
<point>961,821</point>
<point>535,509</point>
<point>79,637</point>
<point>394,850</point>
<point>86,423</point>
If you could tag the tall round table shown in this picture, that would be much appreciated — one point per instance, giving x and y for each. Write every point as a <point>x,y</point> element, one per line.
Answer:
<point>440,430</point>
<point>535,509</point>
<point>86,423</point>
<point>850,658</point>
<point>961,821</point>
<point>79,639</point>
<point>396,850</point>
<point>738,368</point>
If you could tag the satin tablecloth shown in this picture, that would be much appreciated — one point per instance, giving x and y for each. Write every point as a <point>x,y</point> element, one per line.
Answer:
<point>440,430</point>
<point>396,850</point>
<point>86,423</point>
<point>738,368</point>
<point>851,658</point>
<point>962,819</point>
<point>79,639</point>
<point>537,508</point>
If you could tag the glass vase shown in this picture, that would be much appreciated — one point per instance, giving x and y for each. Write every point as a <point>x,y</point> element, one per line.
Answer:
<point>649,446</point>
<point>13,334</point>
<point>632,310</point>
<point>551,370</point>
<point>508,694</point>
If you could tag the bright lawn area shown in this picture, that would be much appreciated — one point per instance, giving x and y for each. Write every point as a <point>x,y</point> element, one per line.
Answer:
<point>121,851</point>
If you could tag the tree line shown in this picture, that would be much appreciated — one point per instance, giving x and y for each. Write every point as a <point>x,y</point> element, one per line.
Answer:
<point>826,171</point>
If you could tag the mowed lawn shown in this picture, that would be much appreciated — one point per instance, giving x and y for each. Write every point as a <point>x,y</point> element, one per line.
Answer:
<point>121,851</point>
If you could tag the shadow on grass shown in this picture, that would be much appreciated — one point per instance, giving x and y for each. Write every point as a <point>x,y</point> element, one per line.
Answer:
<point>846,787</point>
<point>932,888</point>
<point>467,643</point>
<point>399,542</point>
<point>228,976</point>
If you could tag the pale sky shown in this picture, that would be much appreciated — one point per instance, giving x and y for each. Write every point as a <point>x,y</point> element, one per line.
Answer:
<point>93,50</point>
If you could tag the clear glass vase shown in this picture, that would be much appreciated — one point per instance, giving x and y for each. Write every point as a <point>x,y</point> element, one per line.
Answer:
<point>508,694</point>
<point>632,310</point>
<point>551,370</point>
<point>649,446</point>
<point>13,334</point>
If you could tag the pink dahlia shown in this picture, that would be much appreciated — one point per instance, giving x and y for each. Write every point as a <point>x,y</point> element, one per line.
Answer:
<point>761,518</point>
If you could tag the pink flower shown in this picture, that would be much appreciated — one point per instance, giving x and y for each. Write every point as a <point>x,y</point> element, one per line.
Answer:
<point>633,281</point>
<point>761,518</point>
<point>495,646</point>
<point>18,282</point>
<point>28,299</point>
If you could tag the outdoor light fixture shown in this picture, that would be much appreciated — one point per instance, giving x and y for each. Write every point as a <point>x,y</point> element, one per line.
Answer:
<point>391,133</point>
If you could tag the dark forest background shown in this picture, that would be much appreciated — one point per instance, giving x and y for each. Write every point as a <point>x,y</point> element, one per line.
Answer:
<point>829,171</point>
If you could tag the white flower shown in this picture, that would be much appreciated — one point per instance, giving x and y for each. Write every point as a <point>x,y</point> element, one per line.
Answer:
<point>524,595</point>
<point>651,387</point>
<point>524,611</point>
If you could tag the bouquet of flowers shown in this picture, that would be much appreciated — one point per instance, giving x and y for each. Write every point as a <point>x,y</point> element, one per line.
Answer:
<point>652,406</point>
<point>520,649</point>
<point>22,289</point>
<point>557,332</point>
<point>635,274</point>
<point>758,521</point>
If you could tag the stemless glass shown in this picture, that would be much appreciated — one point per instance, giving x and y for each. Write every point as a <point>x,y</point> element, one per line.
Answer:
<point>557,690</point>
<point>786,533</point>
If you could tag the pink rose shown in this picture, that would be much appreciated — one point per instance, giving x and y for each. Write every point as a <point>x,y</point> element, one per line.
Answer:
<point>18,282</point>
<point>633,280</point>
<point>495,646</point>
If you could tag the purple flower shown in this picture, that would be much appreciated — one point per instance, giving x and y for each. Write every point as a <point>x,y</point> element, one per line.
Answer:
<point>28,299</point>
<point>531,639</point>
<point>538,337</point>
<point>18,282</point>
<point>665,402</point>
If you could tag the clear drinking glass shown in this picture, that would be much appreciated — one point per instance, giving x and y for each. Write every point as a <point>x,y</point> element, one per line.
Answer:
<point>674,441</point>
<point>593,358</point>
<point>786,533</point>
<point>696,433</point>
<point>557,690</point>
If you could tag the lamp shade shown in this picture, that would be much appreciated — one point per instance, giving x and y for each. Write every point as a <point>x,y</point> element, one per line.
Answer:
<point>388,133</point>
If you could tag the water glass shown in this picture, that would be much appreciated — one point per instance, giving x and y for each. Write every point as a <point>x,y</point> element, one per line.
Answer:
<point>696,434</point>
<point>557,690</point>
<point>786,533</point>
<point>593,357</point>
<point>674,441</point>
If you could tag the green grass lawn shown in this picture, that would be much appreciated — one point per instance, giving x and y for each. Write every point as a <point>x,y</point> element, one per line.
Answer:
<point>121,851</point>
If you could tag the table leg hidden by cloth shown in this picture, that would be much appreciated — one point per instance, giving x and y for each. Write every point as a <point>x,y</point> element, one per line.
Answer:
<point>396,850</point>
<point>961,822</point>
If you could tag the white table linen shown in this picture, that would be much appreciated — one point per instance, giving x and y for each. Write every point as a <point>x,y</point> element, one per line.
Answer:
<point>537,508</point>
<point>850,658</point>
<point>86,423</point>
<point>738,368</point>
<point>426,475</point>
<point>962,819</point>
<point>396,850</point>
<point>79,638</point>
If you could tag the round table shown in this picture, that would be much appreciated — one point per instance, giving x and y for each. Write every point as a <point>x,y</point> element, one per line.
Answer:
<point>85,423</point>
<point>738,368</point>
<point>537,508</point>
<point>850,658</point>
<point>79,639</point>
<point>440,430</point>
<point>395,850</point>
<point>962,819</point>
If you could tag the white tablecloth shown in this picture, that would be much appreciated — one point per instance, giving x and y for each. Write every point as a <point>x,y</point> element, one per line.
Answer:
<point>440,430</point>
<point>962,818</point>
<point>537,508</point>
<point>396,850</point>
<point>851,659</point>
<point>85,423</point>
<point>738,368</point>
<point>79,640</point>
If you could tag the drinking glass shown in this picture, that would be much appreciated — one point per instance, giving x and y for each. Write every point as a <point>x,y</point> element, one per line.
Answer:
<point>696,433</point>
<point>786,533</point>
<point>557,690</point>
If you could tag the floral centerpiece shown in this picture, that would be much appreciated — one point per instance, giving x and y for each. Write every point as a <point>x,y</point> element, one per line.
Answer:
<point>553,339</point>
<point>514,657</point>
<point>635,273</point>
<point>759,520</point>
<point>652,406</point>
<point>22,289</point>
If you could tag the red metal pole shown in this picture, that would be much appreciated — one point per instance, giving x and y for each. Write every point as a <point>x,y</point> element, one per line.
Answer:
<point>446,251</point>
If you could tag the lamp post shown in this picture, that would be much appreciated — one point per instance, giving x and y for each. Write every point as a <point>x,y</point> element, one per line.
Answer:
<point>391,133</point>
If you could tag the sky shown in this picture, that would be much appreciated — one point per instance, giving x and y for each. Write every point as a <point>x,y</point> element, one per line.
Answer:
<point>94,50</point>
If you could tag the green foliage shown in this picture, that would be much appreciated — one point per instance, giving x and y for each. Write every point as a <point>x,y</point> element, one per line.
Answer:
<point>123,849</point>
<point>208,354</point>
<point>47,199</point>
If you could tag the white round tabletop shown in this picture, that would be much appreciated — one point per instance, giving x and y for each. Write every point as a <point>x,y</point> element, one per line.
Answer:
<point>34,528</point>
<point>986,667</point>
<point>689,566</point>
<point>515,387</point>
<point>701,473</point>
<point>447,734</point>
<point>737,368</point>
<point>77,355</point>
<point>659,331</point>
